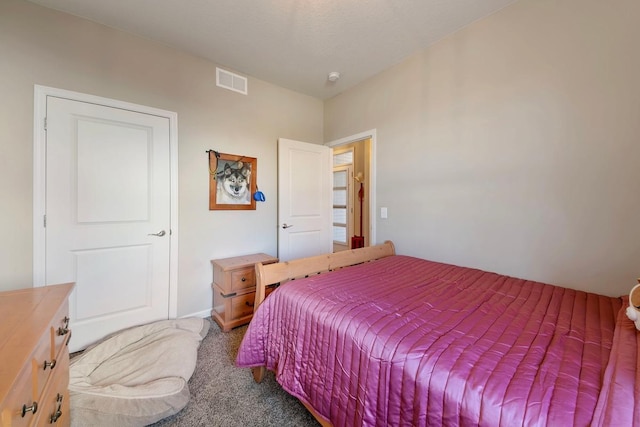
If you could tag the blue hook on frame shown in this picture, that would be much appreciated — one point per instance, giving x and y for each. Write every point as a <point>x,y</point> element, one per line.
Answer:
<point>258,196</point>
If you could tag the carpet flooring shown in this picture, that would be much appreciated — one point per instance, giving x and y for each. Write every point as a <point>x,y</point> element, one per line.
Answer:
<point>223,395</point>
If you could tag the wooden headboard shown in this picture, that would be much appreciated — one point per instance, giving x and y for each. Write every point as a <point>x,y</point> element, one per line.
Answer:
<point>282,272</point>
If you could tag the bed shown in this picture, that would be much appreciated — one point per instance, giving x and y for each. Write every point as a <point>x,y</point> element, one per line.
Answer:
<point>368,337</point>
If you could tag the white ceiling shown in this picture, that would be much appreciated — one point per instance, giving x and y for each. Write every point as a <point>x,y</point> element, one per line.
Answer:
<point>292,43</point>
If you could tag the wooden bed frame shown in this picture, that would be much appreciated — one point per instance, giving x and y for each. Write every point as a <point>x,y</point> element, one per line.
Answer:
<point>283,272</point>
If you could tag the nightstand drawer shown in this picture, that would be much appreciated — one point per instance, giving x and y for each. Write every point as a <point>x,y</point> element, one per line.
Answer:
<point>243,278</point>
<point>231,311</point>
<point>242,306</point>
<point>235,310</point>
<point>238,274</point>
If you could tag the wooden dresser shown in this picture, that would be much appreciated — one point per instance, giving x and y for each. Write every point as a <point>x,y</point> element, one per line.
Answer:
<point>34,358</point>
<point>234,289</point>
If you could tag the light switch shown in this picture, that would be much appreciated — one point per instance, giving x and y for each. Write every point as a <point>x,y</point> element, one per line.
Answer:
<point>383,213</point>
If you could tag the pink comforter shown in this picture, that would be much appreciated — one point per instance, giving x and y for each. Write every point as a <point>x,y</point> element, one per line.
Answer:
<point>407,342</point>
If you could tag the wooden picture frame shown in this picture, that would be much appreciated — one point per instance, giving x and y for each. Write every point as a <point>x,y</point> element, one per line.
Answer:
<point>232,181</point>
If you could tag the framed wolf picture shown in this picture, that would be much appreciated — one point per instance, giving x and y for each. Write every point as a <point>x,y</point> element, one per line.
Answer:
<point>232,181</point>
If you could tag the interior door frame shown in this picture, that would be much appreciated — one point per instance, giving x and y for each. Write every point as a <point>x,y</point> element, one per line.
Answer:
<point>371,181</point>
<point>39,179</point>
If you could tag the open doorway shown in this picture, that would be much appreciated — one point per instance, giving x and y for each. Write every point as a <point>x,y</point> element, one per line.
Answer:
<point>352,194</point>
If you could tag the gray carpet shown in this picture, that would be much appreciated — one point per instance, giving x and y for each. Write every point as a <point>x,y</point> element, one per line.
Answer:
<point>225,396</point>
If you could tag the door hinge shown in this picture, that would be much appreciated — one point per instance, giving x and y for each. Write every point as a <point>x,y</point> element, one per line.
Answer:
<point>45,123</point>
<point>44,221</point>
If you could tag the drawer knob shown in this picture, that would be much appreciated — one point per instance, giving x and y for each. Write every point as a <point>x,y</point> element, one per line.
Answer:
<point>244,279</point>
<point>33,408</point>
<point>51,364</point>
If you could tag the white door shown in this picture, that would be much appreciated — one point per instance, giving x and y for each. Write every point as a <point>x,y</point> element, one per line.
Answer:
<point>304,199</point>
<point>107,215</point>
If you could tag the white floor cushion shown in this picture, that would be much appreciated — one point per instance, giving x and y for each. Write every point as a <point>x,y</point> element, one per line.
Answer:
<point>137,376</point>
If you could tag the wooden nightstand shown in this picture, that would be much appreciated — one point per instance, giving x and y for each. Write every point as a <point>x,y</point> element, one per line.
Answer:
<point>234,289</point>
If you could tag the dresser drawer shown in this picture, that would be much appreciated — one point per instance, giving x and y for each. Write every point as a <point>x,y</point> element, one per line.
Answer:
<point>60,332</point>
<point>50,349</point>
<point>54,408</point>
<point>21,397</point>
<point>42,372</point>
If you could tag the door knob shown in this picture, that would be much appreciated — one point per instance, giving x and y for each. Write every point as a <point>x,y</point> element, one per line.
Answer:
<point>285,225</point>
<point>158,234</point>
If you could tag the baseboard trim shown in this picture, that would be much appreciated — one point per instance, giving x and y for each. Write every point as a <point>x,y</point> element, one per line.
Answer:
<point>203,314</point>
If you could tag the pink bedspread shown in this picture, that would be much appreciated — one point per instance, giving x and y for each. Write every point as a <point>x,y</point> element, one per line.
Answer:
<point>407,342</point>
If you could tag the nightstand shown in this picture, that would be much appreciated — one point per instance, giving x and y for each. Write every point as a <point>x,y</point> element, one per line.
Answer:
<point>234,289</point>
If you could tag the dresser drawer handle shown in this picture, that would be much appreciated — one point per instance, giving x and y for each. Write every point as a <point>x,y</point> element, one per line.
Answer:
<point>33,408</point>
<point>64,330</point>
<point>58,413</point>
<point>248,304</point>
<point>51,364</point>
<point>244,279</point>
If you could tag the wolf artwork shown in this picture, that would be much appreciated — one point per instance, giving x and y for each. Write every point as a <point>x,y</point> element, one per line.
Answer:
<point>233,184</point>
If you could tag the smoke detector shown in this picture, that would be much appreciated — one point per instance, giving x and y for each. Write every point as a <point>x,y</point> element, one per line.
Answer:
<point>333,76</point>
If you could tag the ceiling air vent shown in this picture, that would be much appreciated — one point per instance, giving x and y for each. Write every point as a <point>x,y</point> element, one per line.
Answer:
<point>231,81</point>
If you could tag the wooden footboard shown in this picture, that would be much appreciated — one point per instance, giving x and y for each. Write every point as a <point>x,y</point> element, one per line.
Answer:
<point>283,272</point>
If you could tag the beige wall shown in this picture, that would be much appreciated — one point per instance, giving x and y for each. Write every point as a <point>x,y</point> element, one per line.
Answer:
<point>514,145</point>
<point>41,46</point>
